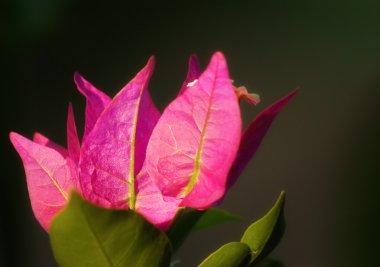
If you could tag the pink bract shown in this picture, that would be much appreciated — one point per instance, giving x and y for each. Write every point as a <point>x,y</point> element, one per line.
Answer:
<point>49,178</point>
<point>73,145</point>
<point>196,139</point>
<point>96,102</point>
<point>132,157</point>
<point>114,151</point>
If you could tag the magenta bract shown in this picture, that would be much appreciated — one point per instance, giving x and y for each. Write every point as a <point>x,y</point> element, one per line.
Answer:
<point>196,139</point>
<point>114,151</point>
<point>132,157</point>
<point>73,145</point>
<point>96,101</point>
<point>49,178</point>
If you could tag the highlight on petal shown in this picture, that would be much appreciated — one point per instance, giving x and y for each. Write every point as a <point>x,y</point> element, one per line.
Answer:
<point>114,151</point>
<point>253,136</point>
<point>73,145</point>
<point>150,202</point>
<point>44,141</point>
<point>196,139</point>
<point>193,73</point>
<point>48,177</point>
<point>96,102</point>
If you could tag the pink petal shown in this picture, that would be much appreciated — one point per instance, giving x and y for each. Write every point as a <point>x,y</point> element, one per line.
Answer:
<point>44,141</point>
<point>196,139</point>
<point>193,72</point>
<point>96,102</point>
<point>73,145</point>
<point>150,203</point>
<point>253,136</point>
<point>114,151</point>
<point>48,177</point>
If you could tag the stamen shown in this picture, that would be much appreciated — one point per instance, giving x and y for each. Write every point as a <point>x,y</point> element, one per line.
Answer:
<point>242,93</point>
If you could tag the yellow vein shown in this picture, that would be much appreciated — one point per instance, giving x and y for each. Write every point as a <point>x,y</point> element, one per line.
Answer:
<point>131,180</point>
<point>197,163</point>
<point>55,182</point>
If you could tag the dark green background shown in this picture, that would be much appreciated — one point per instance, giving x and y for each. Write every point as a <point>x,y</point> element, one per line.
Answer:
<point>324,149</point>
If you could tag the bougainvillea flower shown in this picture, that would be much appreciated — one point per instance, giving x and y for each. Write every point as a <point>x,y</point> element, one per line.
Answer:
<point>132,157</point>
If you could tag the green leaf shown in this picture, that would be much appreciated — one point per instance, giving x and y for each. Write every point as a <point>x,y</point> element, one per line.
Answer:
<point>86,235</point>
<point>214,216</point>
<point>268,263</point>
<point>258,240</point>
<point>263,235</point>
<point>234,254</point>
<point>188,221</point>
<point>175,263</point>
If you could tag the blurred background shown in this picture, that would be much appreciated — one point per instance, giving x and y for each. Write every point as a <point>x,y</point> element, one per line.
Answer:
<point>323,149</point>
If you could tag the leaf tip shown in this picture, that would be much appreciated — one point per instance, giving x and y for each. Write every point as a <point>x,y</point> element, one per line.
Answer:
<point>80,82</point>
<point>16,139</point>
<point>12,136</point>
<point>193,58</point>
<point>151,61</point>
<point>218,58</point>
<point>280,201</point>
<point>77,77</point>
